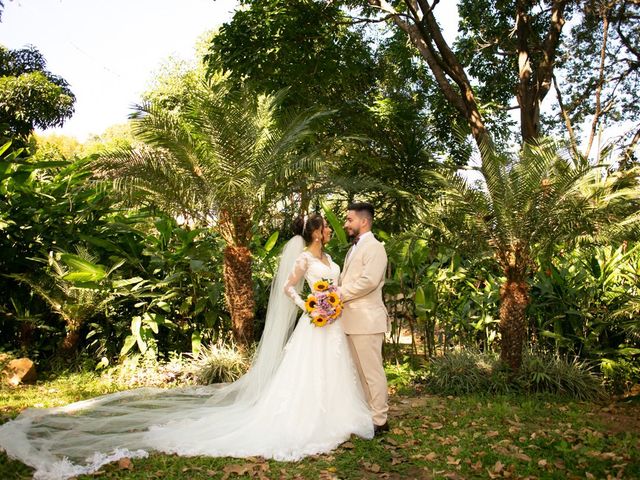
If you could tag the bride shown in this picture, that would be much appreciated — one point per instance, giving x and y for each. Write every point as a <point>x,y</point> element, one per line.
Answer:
<point>301,396</point>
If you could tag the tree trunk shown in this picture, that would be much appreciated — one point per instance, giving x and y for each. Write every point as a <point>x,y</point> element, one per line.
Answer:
<point>239,292</point>
<point>71,340</point>
<point>535,76</point>
<point>514,299</point>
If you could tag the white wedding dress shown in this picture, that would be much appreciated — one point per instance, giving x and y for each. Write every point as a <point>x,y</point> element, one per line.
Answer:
<point>295,401</point>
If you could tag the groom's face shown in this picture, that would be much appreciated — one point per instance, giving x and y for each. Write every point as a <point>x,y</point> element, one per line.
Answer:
<point>353,224</point>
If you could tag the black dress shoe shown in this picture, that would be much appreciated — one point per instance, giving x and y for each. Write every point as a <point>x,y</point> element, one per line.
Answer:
<point>380,429</point>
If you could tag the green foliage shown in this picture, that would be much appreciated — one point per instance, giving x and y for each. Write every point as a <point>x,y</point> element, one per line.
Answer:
<point>466,371</point>
<point>268,45</point>
<point>30,95</point>
<point>586,303</point>
<point>549,373</point>
<point>463,371</point>
<point>225,152</point>
<point>219,363</point>
<point>131,275</point>
<point>45,206</point>
<point>376,96</point>
<point>402,375</point>
<point>46,147</point>
<point>442,298</point>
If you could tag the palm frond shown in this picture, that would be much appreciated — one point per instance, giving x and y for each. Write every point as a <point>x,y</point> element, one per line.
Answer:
<point>224,150</point>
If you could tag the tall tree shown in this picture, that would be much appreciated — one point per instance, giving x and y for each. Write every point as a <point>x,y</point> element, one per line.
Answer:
<point>602,60</point>
<point>381,131</point>
<point>216,162</point>
<point>529,205</point>
<point>266,47</point>
<point>30,95</point>
<point>531,49</point>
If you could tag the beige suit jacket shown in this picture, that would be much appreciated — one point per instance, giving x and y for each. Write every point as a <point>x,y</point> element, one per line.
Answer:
<point>361,284</point>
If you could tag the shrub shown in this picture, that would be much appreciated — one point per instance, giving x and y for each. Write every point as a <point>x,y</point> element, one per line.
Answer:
<point>543,372</point>
<point>467,371</point>
<point>462,372</point>
<point>219,363</point>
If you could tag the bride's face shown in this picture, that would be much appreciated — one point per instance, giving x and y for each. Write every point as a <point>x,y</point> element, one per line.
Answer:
<point>326,232</point>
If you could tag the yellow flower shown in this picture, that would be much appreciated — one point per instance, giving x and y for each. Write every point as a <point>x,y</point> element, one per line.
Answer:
<point>334,298</point>
<point>311,303</point>
<point>320,286</point>
<point>337,313</point>
<point>319,321</point>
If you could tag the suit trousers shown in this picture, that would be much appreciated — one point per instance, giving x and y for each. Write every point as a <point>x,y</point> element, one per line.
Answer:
<point>366,350</point>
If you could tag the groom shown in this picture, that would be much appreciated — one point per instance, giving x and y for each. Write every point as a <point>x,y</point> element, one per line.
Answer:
<point>364,317</point>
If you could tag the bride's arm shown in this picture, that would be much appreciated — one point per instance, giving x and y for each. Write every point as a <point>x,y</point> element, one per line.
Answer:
<point>299,269</point>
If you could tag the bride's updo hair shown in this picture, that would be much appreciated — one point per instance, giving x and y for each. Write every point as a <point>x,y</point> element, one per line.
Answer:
<point>306,228</point>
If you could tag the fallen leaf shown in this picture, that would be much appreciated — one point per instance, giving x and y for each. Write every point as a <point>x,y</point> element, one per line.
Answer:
<point>492,434</point>
<point>453,461</point>
<point>348,445</point>
<point>125,464</point>
<point>326,475</point>
<point>431,456</point>
<point>522,456</point>
<point>498,467</point>
<point>448,441</point>
<point>436,426</point>
<point>542,463</point>
<point>453,476</point>
<point>492,474</point>
<point>236,469</point>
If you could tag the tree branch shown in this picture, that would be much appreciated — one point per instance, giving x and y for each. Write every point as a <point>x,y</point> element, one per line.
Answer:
<point>628,153</point>
<point>603,52</point>
<point>550,48</point>
<point>565,115</point>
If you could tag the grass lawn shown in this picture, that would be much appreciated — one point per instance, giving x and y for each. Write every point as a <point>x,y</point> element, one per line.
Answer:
<point>431,437</point>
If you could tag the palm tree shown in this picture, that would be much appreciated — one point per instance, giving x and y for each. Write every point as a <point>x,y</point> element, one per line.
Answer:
<point>73,291</point>
<point>528,206</point>
<point>218,160</point>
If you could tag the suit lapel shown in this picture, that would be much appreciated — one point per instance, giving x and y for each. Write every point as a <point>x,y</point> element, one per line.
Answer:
<point>350,254</point>
<point>348,259</point>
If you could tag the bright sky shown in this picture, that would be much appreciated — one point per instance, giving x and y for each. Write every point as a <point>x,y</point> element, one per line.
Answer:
<point>108,50</point>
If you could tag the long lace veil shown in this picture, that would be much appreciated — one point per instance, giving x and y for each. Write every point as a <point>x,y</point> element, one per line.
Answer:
<point>81,437</point>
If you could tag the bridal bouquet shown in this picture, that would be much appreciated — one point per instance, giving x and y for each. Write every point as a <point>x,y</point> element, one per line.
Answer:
<point>324,304</point>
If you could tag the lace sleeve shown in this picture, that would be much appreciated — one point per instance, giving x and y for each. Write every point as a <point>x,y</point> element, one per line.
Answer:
<point>294,282</point>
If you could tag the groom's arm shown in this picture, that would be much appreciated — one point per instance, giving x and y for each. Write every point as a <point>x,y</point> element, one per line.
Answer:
<point>375,265</point>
